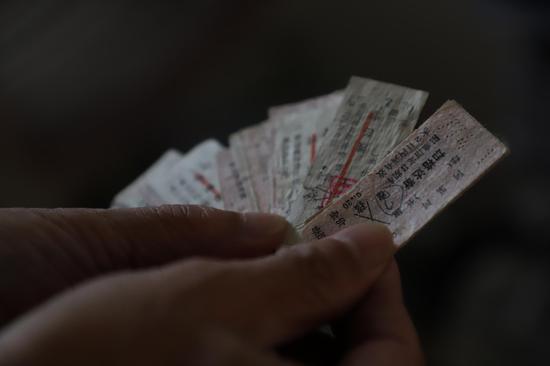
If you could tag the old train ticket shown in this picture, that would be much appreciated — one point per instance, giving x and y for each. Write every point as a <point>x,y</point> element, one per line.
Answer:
<point>418,179</point>
<point>253,151</point>
<point>300,132</point>
<point>253,147</point>
<point>372,119</point>
<point>233,184</point>
<point>193,179</point>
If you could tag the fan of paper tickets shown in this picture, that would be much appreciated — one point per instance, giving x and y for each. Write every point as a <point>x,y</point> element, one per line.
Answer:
<point>332,161</point>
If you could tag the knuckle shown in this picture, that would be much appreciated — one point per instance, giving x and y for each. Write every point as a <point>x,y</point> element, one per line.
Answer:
<point>185,211</point>
<point>167,211</point>
<point>201,212</point>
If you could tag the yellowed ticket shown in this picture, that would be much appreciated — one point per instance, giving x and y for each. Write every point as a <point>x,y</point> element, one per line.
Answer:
<point>300,132</point>
<point>372,119</point>
<point>419,178</point>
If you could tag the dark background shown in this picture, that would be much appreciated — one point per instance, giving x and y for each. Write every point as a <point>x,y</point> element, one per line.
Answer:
<point>91,93</point>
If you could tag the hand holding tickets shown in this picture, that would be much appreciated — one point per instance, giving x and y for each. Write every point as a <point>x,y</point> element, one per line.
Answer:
<point>192,284</point>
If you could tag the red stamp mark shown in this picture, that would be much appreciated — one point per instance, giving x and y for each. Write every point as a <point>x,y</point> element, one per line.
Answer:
<point>313,147</point>
<point>209,186</point>
<point>341,183</point>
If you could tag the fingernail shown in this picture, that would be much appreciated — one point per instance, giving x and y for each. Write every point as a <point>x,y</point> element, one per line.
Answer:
<point>257,224</point>
<point>369,236</point>
<point>361,232</point>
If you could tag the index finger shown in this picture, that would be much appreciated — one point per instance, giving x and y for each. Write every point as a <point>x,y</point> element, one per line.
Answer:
<point>142,237</point>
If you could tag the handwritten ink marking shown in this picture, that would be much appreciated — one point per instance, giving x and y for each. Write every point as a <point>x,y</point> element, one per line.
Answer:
<point>313,148</point>
<point>363,206</point>
<point>390,198</point>
<point>209,186</point>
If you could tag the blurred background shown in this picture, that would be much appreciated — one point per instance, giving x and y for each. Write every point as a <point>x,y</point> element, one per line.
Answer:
<point>91,93</point>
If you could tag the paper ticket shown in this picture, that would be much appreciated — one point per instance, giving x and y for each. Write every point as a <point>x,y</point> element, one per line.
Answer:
<point>252,148</point>
<point>191,180</point>
<point>419,178</point>
<point>299,135</point>
<point>138,192</point>
<point>234,194</point>
<point>373,118</point>
<point>238,146</point>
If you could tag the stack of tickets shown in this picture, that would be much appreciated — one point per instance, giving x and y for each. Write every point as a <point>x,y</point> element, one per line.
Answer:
<point>332,161</point>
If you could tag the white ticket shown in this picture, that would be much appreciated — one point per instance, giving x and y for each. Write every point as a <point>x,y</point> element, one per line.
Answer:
<point>418,179</point>
<point>192,180</point>
<point>299,135</point>
<point>373,118</point>
<point>234,194</point>
<point>238,146</point>
<point>252,148</point>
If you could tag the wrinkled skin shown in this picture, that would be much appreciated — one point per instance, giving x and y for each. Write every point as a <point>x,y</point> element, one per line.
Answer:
<point>189,285</point>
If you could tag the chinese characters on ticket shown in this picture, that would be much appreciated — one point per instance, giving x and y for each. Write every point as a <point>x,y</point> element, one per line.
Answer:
<point>333,161</point>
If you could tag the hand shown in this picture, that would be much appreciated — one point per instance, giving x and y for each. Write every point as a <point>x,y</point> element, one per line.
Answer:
<point>210,312</point>
<point>43,252</point>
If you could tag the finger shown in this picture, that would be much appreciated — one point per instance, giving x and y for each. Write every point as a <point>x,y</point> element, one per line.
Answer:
<point>116,320</point>
<point>188,230</point>
<point>50,250</point>
<point>380,327</point>
<point>305,285</point>
<point>122,238</point>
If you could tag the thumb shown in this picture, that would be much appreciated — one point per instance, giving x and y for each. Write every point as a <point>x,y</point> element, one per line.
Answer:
<point>125,238</point>
<point>44,251</point>
<point>308,284</point>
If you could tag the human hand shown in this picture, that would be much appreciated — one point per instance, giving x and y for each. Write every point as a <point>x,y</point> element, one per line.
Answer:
<point>210,312</point>
<point>43,251</point>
